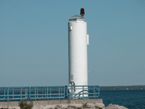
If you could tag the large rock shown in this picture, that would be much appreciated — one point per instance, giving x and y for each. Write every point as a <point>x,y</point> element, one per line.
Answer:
<point>111,106</point>
<point>91,105</point>
<point>99,105</point>
<point>75,106</point>
<point>38,107</point>
<point>61,106</point>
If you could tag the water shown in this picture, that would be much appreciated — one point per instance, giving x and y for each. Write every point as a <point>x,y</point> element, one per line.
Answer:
<point>132,99</point>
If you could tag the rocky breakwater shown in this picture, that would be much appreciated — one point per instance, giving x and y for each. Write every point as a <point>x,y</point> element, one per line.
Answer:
<point>60,104</point>
<point>111,106</point>
<point>80,106</point>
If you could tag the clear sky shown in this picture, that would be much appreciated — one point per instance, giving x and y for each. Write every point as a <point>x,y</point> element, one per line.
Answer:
<point>34,41</point>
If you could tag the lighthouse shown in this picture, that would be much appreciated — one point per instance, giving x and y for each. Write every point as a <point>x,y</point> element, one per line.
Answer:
<point>78,39</point>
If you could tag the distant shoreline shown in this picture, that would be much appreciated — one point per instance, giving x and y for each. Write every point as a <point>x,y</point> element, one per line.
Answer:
<point>133,87</point>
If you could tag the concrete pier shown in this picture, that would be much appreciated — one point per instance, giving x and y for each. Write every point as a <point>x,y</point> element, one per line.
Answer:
<point>56,104</point>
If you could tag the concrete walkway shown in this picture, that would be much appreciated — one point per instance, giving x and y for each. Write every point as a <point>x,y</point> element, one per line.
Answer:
<point>63,104</point>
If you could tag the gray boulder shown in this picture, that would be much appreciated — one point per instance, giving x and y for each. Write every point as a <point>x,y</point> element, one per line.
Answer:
<point>111,106</point>
<point>99,105</point>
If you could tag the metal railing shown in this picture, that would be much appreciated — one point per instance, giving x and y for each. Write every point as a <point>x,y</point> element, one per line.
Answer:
<point>48,92</point>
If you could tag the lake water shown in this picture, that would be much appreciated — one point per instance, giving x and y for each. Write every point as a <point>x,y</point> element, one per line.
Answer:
<point>132,99</point>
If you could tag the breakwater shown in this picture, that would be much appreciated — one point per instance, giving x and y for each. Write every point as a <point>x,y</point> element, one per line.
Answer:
<point>56,104</point>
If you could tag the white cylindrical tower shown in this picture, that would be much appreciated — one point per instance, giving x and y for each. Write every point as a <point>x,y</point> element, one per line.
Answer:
<point>78,41</point>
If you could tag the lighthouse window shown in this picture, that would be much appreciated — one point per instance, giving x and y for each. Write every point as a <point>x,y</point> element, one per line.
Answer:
<point>71,76</point>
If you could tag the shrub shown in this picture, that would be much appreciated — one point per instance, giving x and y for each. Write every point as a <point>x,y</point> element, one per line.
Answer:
<point>85,105</point>
<point>25,105</point>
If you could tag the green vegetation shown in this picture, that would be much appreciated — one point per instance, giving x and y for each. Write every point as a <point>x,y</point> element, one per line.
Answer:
<point>85,105</point>
<point>25,105</point>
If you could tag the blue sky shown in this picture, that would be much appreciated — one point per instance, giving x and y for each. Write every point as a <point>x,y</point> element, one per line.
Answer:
<point>34,41</point>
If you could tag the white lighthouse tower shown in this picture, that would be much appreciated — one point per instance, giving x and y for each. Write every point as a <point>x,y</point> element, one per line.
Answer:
<point>78,41</point>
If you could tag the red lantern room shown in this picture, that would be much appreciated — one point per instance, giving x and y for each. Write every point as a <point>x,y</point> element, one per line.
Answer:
<point>82,12</point>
